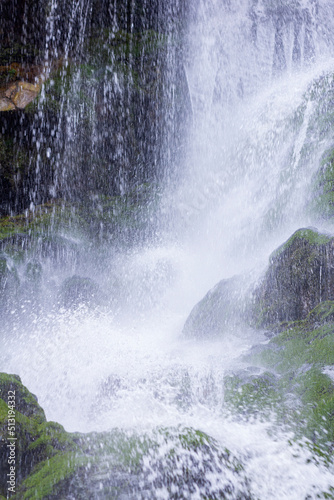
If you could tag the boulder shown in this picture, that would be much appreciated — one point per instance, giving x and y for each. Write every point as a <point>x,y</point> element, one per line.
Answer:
<point>78,290</point>
<point>299,277</point>
<point>223,306</point>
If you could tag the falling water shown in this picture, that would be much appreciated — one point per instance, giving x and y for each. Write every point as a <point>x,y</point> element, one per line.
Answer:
<point>254,79</point>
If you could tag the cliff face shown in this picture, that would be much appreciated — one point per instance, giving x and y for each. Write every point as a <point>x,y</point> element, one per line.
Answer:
<point>93,99</point>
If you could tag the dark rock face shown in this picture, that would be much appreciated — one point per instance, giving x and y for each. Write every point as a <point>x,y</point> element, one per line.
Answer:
<point>115,118</point>
<point>299,277</point>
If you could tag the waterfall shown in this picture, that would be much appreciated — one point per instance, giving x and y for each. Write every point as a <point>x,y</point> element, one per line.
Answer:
<point>172,145</point>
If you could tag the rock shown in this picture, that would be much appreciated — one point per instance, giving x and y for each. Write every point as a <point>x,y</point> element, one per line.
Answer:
<point>19,85</point>
<point>6,104</point>
<point>252,393</point>
<point>36,440</point>
<point>299,277</point>
<point>77,290</point>
<point>25,402</point>
<point>224,305</point>
<point>25,93</point>
<point>19,95</point>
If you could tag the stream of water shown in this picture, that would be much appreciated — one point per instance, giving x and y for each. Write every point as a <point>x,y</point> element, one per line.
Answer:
<point>243,188</point>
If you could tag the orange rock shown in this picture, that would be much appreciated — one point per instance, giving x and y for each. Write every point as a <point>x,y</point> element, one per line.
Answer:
<point>26,93</point>
<point>11,91</point>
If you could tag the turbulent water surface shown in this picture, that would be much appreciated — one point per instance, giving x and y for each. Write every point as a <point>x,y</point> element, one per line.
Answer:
<point>242,190</point>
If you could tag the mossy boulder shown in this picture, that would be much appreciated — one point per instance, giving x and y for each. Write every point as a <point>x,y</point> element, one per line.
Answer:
<point>224,306</point>
<point>252,392</point>
<point>299,277</point>
<point>23,422</point>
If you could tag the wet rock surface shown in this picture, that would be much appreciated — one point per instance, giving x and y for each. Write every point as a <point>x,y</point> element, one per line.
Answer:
<point>300,276</point>
<point>222,308</point>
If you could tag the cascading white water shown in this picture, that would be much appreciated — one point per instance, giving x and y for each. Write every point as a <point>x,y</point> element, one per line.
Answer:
<point>243,190</point>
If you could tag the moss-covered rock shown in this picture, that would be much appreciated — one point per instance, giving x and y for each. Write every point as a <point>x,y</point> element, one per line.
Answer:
<point>23,426</point>
<point>299,277</point>
<point>252,392</point>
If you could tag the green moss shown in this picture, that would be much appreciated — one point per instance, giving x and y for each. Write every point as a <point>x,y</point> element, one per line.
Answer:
<point>298,356</point>
<point>124,451</point>
<point>49,477</point>
<point>51,437</point>
<point>311,236</point>
<point>252,394</point>
<point>26,403</point>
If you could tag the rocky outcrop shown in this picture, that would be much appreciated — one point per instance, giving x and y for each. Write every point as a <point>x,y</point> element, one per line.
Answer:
<point>299,277</point>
